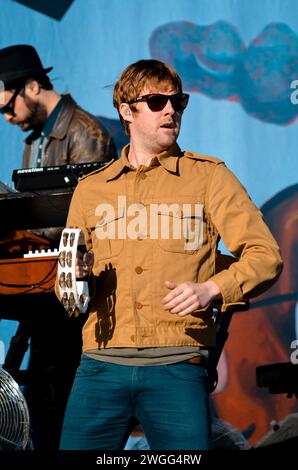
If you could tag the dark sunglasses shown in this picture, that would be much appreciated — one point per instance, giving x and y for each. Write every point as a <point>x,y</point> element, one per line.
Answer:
<point>157,102</point>
<point>9,107</point>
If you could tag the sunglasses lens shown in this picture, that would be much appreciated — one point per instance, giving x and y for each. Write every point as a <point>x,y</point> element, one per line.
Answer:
<point>157,102</point>
<point>6,110</point>
<point>179,102</point>
<point>9,107</point>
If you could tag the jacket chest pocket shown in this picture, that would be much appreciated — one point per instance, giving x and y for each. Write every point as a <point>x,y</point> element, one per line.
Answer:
<point>105,230</point>
<point>180,231</point>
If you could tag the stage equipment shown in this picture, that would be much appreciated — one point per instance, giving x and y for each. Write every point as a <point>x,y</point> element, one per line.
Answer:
<point>281,377</point>
<point>52,177</point>
<point>284,431</point>
<point>14,415</point>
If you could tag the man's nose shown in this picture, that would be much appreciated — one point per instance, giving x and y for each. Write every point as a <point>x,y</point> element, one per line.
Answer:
<point>169,107</point>
<point>8,117</point>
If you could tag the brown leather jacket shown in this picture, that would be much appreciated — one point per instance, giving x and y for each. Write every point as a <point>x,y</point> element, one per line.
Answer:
<point>76,137</point>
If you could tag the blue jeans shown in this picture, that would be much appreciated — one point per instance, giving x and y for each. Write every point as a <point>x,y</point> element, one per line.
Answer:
<point>170,401</point>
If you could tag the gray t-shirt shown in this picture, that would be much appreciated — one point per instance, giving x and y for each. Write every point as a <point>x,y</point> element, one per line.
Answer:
<point>146,356</point>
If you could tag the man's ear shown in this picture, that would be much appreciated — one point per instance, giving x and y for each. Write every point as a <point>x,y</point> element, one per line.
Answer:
<point>125,112</point>
<point>32,88</point>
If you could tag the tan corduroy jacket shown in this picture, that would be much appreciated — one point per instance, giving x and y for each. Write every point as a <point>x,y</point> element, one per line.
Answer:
<point>162,222</point>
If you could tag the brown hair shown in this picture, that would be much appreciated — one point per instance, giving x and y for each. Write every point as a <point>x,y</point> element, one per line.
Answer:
<point>134,78</point>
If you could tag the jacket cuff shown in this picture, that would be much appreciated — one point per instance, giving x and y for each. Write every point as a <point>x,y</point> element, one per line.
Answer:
<point>230,290</point>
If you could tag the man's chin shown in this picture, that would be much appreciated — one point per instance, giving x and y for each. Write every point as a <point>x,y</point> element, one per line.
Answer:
<point>25,126</point>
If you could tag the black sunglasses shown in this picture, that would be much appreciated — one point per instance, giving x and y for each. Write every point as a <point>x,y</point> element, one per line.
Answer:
<point>9,107</point>
<point>157,102</point>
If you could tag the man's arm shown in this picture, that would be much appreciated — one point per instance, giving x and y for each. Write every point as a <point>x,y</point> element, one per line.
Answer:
<point>89,140</point>
<point>241,226</point>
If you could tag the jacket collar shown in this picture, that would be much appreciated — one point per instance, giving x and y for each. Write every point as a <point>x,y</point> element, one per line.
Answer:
<point>168,159</point>
<point>62,123</point>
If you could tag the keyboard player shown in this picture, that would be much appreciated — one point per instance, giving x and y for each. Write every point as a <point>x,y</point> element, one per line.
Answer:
<point>61,133</point>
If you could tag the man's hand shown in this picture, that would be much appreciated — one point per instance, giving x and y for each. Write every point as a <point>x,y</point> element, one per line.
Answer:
<point>84,264</point>
<point>186,297</point>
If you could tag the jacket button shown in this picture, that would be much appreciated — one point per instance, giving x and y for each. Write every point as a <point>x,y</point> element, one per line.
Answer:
<point>138,270</point>
<point>139,305</point>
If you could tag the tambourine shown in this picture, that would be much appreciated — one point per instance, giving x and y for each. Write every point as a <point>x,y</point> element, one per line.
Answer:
<point>74,294</point>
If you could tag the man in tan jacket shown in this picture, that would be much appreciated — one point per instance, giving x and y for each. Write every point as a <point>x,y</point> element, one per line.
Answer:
<point>152,220</point>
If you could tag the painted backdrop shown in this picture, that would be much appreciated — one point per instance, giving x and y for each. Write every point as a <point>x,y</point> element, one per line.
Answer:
<point>239,62</point>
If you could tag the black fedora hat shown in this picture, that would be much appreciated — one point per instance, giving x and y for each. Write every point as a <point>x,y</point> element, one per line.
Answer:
<point>20,61</point>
